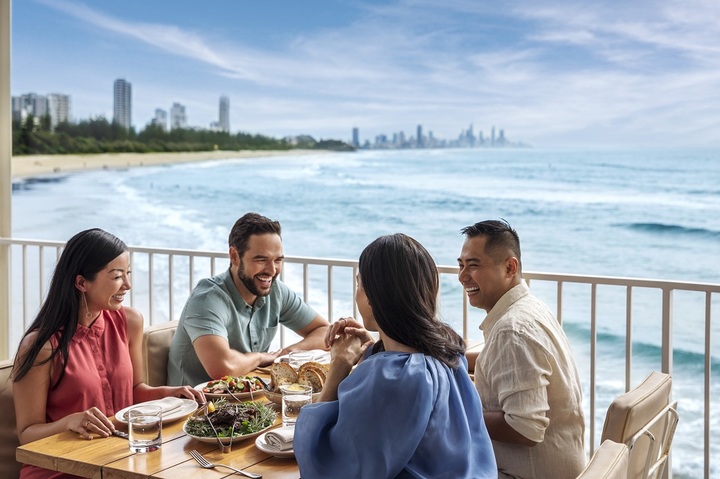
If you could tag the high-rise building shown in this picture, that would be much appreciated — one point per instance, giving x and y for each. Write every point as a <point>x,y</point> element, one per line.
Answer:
<point>29,104</point>
<point>178,119</point>
<point>419,140</point>
<point>122,111</point>
<point>58,108</point>
<point>501,137</point>
<point>160,119</point>
<point>224,122</point>
<point>356,137</point>
<point>16,108</point>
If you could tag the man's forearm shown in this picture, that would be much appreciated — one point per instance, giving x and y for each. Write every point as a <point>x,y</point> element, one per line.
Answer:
<point>314,340</point>
<point>238,364</point>
<point>501,431</point>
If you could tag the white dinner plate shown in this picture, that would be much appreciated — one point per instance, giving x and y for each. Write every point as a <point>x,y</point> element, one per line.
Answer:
<point>188,407</point>
<point>261,444</point>
<point>319,356</point>
<point>256,395</point>
<point>226,440</point>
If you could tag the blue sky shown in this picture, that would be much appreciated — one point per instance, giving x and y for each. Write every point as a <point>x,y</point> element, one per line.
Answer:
<point>550,73</point>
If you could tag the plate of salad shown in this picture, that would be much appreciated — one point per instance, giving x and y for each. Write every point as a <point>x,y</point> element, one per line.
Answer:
<point>241,420</point>
<point>243,387</point>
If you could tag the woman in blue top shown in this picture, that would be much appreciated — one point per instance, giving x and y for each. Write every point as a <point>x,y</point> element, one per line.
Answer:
<point>409,409</point>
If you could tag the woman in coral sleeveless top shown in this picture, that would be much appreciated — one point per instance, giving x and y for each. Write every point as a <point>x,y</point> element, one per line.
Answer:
<point>80,360</point>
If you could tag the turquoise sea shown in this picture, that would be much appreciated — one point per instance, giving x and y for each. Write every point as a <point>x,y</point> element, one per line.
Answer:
<point>637,213</point>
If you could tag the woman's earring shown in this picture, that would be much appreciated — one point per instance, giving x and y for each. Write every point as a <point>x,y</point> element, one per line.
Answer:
<point>88,314</point>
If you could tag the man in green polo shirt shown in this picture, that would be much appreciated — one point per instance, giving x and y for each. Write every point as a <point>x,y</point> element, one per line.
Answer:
<point>230,320</point>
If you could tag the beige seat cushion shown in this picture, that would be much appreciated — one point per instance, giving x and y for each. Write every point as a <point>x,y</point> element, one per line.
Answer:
<point>610,461</point>
<point>156,346</point>
<point>9,467</point>
<point>631,411</point>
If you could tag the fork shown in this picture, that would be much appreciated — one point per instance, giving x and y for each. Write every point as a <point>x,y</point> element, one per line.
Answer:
<point>209,465</point>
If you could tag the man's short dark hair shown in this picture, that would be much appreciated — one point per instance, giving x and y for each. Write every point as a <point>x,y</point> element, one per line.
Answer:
<point>251,224</point>
<point>501,237</point>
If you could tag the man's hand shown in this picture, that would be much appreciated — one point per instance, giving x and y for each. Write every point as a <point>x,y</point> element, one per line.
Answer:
<point>266,359</point>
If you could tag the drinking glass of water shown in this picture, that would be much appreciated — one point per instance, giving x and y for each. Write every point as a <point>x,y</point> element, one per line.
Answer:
<point>298,358</point>
<point>294,396</point>
<point>145,427</point>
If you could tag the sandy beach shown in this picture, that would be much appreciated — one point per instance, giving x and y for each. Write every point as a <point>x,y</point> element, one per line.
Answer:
<point>44,165</point>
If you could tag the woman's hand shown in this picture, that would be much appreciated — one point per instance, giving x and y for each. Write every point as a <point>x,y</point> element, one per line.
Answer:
<point>347,326</point>
<point>90,422</point>
<point>348,348</point>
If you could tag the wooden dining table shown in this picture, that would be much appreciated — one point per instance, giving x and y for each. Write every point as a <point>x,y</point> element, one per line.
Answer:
<point>110,458</point>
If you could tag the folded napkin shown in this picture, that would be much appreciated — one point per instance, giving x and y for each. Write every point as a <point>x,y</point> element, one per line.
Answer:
<point>167,405</point>
<point>280,439</point>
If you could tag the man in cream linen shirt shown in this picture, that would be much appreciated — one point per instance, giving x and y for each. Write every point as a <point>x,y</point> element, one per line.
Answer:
<point>525,374</point>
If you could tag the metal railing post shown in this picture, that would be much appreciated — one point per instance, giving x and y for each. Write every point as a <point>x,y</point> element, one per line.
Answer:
<point>5,177</point>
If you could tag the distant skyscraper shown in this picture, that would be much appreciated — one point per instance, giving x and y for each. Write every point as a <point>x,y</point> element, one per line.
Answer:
<point>178,119</point>
<point>16,108</point>
<point>224,122</point>
<point>419,136</point>
<point>29,104</point>
<point>58,108</point>
<point>160,119</point>
<point>356,137</point>
<point>122,112</point>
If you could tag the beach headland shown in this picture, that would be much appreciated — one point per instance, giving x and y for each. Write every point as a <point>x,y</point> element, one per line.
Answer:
<point>28,166</point>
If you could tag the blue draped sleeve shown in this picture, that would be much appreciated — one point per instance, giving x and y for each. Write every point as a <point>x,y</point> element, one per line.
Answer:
<point>397,415</point>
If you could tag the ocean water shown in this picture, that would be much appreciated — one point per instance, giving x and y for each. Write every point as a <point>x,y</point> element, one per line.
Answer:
<point>644,214</point>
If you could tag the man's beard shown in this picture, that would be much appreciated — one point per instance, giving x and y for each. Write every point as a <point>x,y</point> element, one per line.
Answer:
<point>249,282</point>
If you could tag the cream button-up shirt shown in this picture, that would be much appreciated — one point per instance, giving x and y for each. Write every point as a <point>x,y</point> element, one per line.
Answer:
<point>527,370</point>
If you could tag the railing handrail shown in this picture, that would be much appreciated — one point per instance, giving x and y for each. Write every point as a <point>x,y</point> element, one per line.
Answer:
<point>663,284</point>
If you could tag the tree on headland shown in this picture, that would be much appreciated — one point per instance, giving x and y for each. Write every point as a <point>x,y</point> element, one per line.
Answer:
<point>98,135</point>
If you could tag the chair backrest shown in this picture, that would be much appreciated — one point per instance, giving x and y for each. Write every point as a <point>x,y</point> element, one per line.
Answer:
<point>156,346</point>
<point>9,467</point>
<point>645,421</point>
<point>610,461</point>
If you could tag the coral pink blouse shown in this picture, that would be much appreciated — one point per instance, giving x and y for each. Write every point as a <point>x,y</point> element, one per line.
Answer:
<point>98,373</point>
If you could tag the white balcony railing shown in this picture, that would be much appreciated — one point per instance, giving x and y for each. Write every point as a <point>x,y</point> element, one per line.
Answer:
<point>640,312</point>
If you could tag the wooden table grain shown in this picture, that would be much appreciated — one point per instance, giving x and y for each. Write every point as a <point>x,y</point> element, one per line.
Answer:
<point>110,458</point>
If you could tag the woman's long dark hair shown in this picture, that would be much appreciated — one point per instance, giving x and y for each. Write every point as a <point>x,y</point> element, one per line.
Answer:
<point>85,254</point>
<point>401,282</point>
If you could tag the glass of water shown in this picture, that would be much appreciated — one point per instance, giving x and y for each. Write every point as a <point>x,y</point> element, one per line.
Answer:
<point>298,358</point>
<point>294,396</point>
<point>145,427</point>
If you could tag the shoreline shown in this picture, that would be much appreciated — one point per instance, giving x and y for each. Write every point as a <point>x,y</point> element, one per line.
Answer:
<point>30,166</point>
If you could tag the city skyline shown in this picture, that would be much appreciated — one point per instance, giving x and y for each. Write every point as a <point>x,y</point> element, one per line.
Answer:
<point>57,106</point>
<point>554,73</point>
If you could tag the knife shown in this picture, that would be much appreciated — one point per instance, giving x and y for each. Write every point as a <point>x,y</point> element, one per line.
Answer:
<point>119,433</point>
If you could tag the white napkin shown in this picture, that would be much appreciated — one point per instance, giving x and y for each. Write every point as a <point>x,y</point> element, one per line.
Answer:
<point>167,405</point>
<point>280,439</point>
